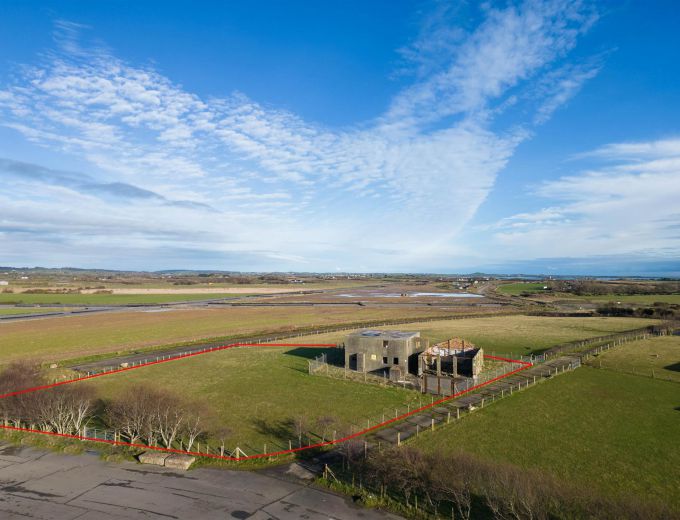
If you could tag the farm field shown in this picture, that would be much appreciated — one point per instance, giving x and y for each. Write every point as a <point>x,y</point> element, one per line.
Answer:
<point>106,299</point>
<point>155,284</point>
<point>79,336</point>
<point>655,357</point>
<point>256,391</point>
<point>6,311</point>
<point>515,289</point>
<point>517,334</point>
<point>599,428</point>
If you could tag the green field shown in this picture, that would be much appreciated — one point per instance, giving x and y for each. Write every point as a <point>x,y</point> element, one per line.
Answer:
<point>79,336</point>
<point>613,431</point>
<point>517,288</point>
<point>655,357</point>
<point>515,334</point>
<point>254,391</point>
<point>29,310</point>
<point>104,299</point>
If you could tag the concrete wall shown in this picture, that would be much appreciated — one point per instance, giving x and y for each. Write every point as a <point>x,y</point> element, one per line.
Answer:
<point>380,353</point>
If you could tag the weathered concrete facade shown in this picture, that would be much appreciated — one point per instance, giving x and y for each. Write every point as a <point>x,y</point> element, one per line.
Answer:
<point>405,356</point>
<point>391,351</point>
<point>441,366</point>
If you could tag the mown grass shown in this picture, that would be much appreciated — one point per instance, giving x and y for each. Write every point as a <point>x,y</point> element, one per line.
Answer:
<point>517,334</point>
<point>609,430</point>
<point>255,391</point>
<point>655,357</point>
<point>105,299</point>
<point>82,336</point>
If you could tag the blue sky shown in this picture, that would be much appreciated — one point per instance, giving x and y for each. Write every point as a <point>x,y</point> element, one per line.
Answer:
<point>536,137</point>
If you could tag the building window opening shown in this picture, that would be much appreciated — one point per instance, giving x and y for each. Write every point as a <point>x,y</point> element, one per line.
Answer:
<point>385,343</point>
<point>385,360</point>
<point>396,360</point>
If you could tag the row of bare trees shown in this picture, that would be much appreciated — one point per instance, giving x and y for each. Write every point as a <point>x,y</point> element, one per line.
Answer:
<point>140,414</point>
<point>157,417</point>
<point>63,409</point>
<point>463,486</point>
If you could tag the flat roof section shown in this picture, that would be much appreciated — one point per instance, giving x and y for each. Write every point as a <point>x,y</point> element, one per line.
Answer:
<point>387,334</point>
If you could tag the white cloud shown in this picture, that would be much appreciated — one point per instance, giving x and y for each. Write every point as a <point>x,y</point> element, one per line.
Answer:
<point>283,185</point>
<point>625,208</point>
<point>561,85</point>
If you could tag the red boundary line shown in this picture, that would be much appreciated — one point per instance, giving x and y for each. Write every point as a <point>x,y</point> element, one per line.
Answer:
<point>525,365</point>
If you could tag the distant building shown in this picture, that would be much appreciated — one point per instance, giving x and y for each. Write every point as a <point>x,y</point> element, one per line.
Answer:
<point>388,351</point>
<point>4,282</point>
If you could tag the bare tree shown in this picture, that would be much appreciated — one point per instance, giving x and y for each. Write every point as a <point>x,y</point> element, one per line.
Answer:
<point>169,415</point>
<point>324,424</point>
<point>19,375</point>
<point>222,434</point>
<point>452,480</point>
<point>130,413</point>
<point>194,427</point>
<point>300,426</point>
<point>82,405</point>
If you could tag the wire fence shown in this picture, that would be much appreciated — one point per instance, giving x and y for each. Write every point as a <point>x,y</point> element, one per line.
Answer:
<point>586,346</point>
<point>420,408</point>
<point>300,333</point>
<point>321,432</point>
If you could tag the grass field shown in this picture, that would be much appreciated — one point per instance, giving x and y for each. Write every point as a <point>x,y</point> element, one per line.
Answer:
<point>254,391</point>
<point>104,299</point>
<point>517,288</point>
<point>655,357</point>
<point>515,334</point>
<point>643,299</point>
<point>80,336</point>
<point>30,310</point>
<point>613,431</point>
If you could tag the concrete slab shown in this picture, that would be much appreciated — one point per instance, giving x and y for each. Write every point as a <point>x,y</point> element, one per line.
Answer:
<point>153,457</point>
<point>177,461</point>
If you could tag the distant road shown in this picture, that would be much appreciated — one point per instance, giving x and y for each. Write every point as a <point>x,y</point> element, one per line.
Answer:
<point>231,301</point>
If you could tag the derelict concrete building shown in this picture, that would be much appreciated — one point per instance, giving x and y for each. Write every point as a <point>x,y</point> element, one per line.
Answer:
<point>384,350</point>
<point>441,366</point>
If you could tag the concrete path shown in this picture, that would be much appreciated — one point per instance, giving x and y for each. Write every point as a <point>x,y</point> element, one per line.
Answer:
<point>37,484</point>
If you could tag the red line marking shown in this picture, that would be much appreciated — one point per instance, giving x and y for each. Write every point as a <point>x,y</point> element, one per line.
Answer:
<point>524,366</point>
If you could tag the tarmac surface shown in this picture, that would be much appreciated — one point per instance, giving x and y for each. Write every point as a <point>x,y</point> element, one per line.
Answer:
<point>36,484</point>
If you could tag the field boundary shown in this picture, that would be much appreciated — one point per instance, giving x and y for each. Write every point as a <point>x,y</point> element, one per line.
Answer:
<point>523,366</point>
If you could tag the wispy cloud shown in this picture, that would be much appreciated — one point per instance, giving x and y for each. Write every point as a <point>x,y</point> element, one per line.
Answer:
<point>408,181</point>
<point>626,206</point>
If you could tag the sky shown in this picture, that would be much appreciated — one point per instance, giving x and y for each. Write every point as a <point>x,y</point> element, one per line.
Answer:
<point>536,137</point>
